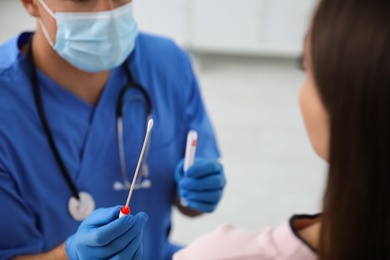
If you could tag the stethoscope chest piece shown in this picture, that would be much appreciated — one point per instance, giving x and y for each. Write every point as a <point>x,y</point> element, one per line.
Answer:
<point>81,209</point>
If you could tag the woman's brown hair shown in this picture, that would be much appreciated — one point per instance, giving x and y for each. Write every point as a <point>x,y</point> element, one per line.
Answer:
<point>350,54</point>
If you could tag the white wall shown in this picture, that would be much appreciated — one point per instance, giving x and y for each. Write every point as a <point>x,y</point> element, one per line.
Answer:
<point>13,19</point>
<point>249,27</point>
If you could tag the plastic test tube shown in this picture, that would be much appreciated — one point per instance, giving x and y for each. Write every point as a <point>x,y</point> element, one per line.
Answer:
<point>189,157</point>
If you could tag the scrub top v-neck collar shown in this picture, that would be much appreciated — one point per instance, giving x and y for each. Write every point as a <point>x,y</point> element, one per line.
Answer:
<point>97,118</point>
<point>103,117</point>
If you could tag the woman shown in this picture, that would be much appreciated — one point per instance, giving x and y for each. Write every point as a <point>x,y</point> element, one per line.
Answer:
<point>345,102</point>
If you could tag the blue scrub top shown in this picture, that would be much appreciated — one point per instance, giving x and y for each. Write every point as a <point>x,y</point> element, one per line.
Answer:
<point>33,193</point>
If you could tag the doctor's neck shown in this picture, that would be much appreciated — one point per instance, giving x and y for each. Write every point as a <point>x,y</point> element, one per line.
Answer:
<point>87,86</point>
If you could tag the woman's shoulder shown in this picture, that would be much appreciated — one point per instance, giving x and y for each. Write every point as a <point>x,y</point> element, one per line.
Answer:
<point>228,242</point>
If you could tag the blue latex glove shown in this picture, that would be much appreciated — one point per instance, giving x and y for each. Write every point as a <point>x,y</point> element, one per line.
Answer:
<point>105,236</point>
<point>202,185</point>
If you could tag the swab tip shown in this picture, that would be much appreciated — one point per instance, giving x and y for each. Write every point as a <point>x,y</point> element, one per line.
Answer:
<point>150,124</point>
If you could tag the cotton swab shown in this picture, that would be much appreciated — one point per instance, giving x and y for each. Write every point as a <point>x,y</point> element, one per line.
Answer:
<point>125,210</point>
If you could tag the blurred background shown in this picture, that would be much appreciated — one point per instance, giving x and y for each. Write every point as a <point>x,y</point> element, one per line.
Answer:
<point>245,54</point>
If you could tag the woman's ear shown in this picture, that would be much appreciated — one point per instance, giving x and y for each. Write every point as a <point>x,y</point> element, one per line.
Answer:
<point>31,7</point>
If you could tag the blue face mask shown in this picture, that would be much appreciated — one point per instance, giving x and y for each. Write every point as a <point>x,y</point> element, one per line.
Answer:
<point>95,41</point>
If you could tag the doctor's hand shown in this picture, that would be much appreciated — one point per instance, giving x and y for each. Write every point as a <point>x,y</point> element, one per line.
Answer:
<point>105,236</point>
<point>202,185</point>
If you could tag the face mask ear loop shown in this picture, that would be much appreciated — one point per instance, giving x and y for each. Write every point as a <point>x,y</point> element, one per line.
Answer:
<point>45,32</point>
<point>47,8</point>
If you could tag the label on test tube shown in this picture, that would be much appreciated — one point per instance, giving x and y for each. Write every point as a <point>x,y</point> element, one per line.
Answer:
<point>189,157</point>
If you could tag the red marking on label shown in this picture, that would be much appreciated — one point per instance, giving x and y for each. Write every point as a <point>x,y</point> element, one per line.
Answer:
<point>193,143</point>
<point>125,210</point>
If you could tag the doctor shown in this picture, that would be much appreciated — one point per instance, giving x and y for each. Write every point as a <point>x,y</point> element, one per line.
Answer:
<point>66,92</point>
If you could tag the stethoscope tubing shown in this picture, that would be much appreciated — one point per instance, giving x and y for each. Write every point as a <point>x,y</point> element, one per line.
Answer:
<point>119,118</point>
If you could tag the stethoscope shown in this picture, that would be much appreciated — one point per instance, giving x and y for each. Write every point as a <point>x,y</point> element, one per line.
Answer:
<point>81,204</point>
